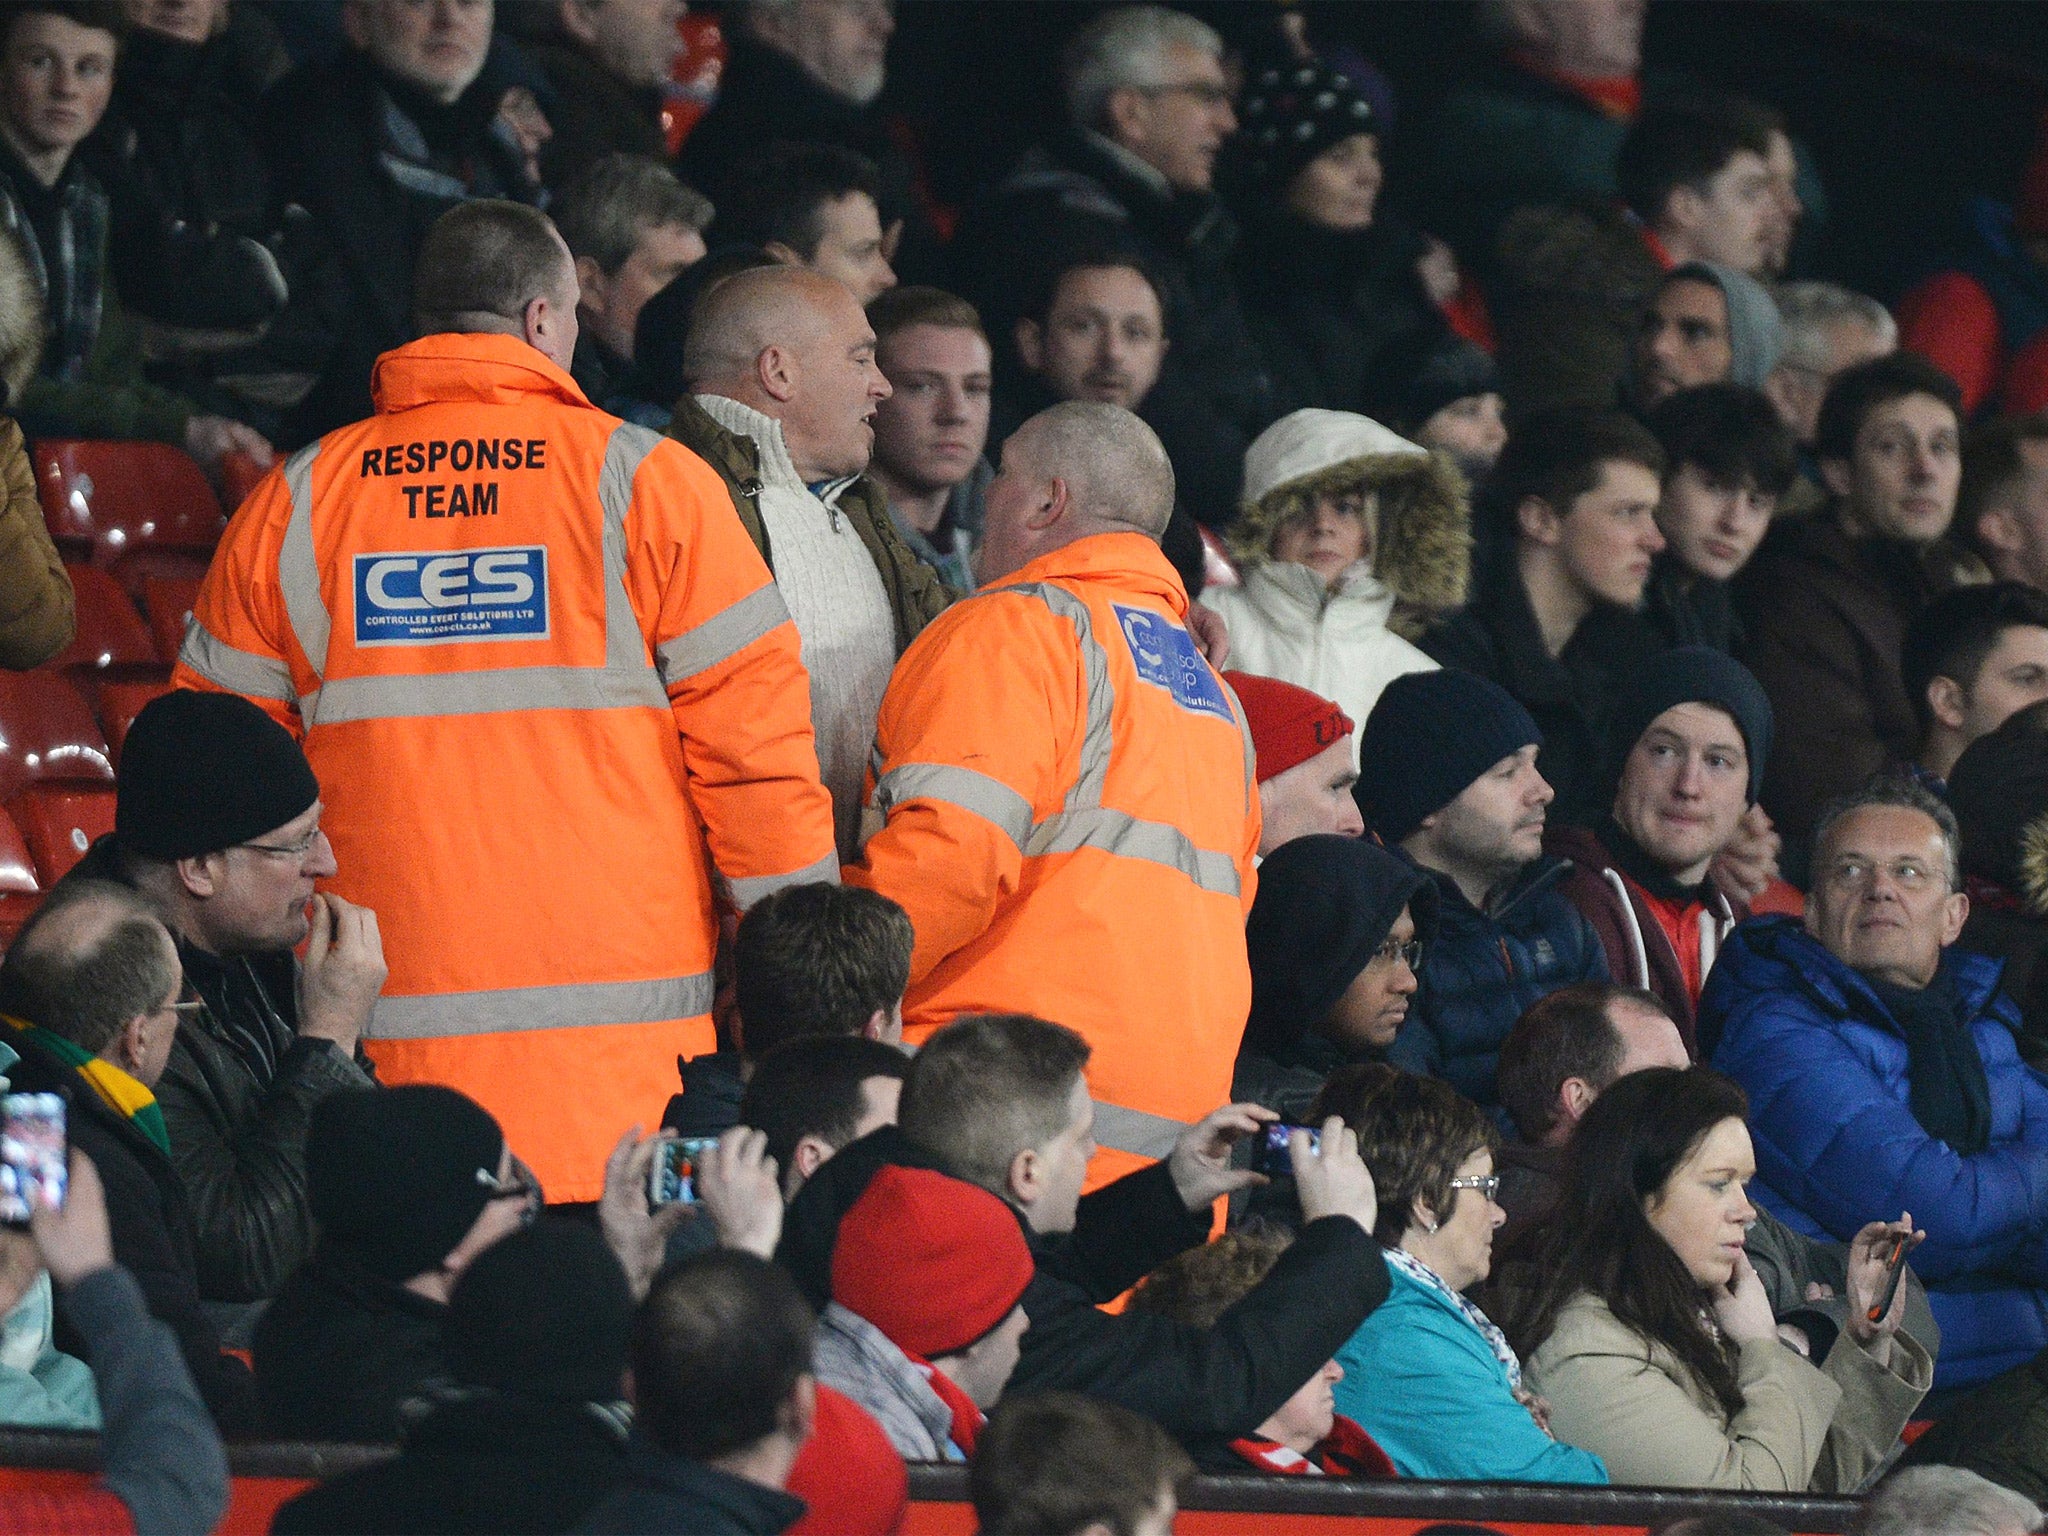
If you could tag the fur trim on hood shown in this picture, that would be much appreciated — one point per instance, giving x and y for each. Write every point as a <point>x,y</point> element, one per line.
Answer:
<point>1423,541</point>
<point>2034,865</point>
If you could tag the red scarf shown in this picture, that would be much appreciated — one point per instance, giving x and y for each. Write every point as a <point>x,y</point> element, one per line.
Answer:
<point>1346,1451</point>
<point>1616,96</point>
<point>967,1419</point>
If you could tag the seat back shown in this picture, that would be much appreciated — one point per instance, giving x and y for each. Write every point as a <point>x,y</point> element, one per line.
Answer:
<point>119,697</point>
<point>104,500</point>
<point>59,820</point>
<point>47,732</point>
<point>20,892</point>
<point>110,632</point>
<point>167,602</point>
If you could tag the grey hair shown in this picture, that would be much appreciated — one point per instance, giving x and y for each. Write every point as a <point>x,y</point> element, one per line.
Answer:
<point>1125,49</point>
<point>1894,789</point>
<point>1943,1501</point>
<point>1115,466</point>
<point>1808,309</point>
<point>608,209</point>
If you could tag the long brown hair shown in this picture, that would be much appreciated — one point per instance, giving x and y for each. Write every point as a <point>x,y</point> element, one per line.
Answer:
<point>1599,1240</point>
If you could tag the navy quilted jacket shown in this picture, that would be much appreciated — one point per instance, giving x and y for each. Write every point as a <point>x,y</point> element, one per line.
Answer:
<point>1837,1144</point>
<point>1484,968</point>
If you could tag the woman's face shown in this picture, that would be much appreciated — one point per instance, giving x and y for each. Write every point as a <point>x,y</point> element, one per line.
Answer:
<point>1331,535</point>
<point>1702,1211</point>
<point>1308,1416</point>
<point>1337,189</point>
<point>1460,1250</point>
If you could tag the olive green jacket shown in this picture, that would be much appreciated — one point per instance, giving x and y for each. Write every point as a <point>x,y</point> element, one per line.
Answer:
<point>916,595</point>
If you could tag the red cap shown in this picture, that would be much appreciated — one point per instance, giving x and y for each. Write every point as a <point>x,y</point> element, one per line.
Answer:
<point>933,1262</point>
<point>848,1473</point>
<point>1289,725</point>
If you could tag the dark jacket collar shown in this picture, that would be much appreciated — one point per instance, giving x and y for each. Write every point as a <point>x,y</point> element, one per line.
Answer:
<point>1539,874</point>
<point>1528,670</point>
<point>749,1505</point>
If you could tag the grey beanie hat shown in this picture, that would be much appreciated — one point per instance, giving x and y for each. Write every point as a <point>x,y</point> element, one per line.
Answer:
<point>1755,333</point>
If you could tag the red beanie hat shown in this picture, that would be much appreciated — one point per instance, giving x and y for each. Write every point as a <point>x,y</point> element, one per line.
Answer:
<point>1289,725</point>
<point>934,1262</point>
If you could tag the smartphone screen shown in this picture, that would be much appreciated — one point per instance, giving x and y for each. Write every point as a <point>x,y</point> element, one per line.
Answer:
<point>1273,1158</point>
<point>673,1178</point>
<point>34,1154</point>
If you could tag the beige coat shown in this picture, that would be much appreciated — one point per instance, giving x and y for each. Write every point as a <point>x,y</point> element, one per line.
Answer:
<point>36,601</point>
<point>1803,1428</point>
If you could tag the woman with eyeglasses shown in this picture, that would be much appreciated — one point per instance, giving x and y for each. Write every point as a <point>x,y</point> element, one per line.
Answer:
<point>1334,938</point>
<point>1651,1335</point>
<point>1428,1375</point>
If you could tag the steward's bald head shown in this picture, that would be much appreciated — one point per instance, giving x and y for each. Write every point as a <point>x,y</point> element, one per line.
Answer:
<point>1114,465</point>
<point>745,314</point>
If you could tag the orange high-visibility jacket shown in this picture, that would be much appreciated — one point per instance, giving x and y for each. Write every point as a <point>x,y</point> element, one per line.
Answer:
<point>1072,820</point>
<point>537,665</point>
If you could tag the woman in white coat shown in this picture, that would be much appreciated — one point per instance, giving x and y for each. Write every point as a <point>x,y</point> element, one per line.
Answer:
<point>1351,542</point>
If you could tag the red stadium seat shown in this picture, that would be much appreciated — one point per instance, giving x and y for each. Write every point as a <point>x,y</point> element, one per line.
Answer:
<point>20,891</point>
<point>239,475</point>
<point>127,506</point>
<point>119,699</point>
<point>47,732</point>
<point>1217,567</point>
<point>110,631</point>
<point>167,602</point>
<point>59,821</point>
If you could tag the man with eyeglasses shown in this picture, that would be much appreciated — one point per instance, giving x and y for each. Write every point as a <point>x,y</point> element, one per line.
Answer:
<point>1148,112</point>
<point>1883,1075</point>
<point>217,826</point>
<point>90,1007</point>
<point>1691,734</point>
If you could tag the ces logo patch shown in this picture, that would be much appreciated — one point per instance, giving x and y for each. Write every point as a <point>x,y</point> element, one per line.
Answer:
<point>468,594</point>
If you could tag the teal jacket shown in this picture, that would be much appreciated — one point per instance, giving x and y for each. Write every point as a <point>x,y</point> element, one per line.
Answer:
<point>1423,1383</point>
<point>40,1388</point>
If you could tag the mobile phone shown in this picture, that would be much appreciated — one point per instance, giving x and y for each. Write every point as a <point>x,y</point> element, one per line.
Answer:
<point>35,1154</point>
<point>1894,1271</point>
<point>1272,1156</point>
<point>673,1178</point>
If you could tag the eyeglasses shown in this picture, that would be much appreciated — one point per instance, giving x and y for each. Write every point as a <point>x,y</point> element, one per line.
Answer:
<point>296,850</point>
<point>1853,874</point>
<point>1488,1184</point>
<point>1409,954</point>
<point>1206,93</point>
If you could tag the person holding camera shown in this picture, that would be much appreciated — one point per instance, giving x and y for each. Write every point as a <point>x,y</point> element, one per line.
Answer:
<point>1428,1375</point>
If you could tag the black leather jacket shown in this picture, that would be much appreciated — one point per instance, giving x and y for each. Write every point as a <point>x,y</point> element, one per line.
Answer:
<point>238,1097</point>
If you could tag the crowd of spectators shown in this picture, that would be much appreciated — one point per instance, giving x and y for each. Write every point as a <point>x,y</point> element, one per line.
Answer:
<point>1566,1006</point>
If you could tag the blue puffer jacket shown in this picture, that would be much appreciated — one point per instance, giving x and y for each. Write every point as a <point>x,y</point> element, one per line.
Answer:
<point>1484,968</point>
<point>1837,1144</point>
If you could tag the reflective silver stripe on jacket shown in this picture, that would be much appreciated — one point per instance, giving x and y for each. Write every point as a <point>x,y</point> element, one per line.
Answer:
<point>1084,821</point>
<point>244,672</point>
<point>627,680</point>
<point>571,1006</point>
<point>722,636</point>
<point>749,889</point>
<point>1135,1131</point>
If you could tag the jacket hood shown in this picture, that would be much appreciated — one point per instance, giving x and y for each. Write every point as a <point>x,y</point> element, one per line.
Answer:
<point>481,367</point>
<point>2034,865</point>
<point>1422,548</point>
<point>1755,333</point>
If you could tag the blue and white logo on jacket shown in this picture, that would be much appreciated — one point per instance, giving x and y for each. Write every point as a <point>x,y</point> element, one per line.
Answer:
<point>464,594</point>
<point>1165,655</point>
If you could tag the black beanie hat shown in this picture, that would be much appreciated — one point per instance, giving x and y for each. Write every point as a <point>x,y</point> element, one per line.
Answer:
<point>1325,905</point>
<point>1290,115</point>
<point>545,1313</point>
<point>1998,787</point>
<point>204,771</point>
<point>1693,674</point>
<point>1417,375</point>
<point>400,1175</point>
<point>1430,736</point>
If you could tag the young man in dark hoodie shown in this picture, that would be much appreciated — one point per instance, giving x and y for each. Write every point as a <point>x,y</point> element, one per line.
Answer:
<point>1000,1100</point>
<point>1692,734</point>
<point>1335,940</point>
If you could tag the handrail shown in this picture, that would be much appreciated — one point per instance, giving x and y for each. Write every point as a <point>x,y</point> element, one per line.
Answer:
<point>1540,1503</point>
